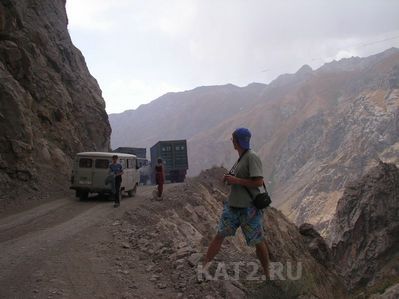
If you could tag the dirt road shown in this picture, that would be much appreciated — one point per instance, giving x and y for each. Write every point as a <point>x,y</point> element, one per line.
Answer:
<point>62,249</point>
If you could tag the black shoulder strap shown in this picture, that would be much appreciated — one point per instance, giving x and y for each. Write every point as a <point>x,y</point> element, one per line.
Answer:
<point>238,161</point>
<point>243,154</point>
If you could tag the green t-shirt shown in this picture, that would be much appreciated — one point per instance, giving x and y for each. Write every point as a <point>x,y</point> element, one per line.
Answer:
<point>250,166</point>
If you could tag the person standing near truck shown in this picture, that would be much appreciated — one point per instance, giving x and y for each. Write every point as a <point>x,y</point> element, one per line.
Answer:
<point>159,176</point>
<point>117,171</point>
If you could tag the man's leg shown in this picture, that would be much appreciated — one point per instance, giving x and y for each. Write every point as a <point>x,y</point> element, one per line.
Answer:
<point>263,255</point>
<point>252,227</point>
<point>117,190</point>
<point>116,199</point>
<point>213,248</point>
<point>160,189</point>
<point>228,224</point>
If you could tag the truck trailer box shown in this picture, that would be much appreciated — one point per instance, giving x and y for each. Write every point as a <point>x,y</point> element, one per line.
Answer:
<point>174,156</point>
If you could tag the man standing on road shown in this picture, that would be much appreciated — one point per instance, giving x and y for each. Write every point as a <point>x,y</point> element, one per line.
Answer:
<point>117,171</point>
<point>245,179</point>
<point>159,176</point>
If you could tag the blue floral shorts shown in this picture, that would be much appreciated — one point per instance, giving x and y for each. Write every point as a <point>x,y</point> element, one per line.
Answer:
<point>250,219</point>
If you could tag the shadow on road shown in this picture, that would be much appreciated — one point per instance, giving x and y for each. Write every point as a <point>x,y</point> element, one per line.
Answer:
<point>96,198</point>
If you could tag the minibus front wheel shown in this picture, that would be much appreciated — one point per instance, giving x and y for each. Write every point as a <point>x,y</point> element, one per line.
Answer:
<point>83,195</point>
<point>132,193</point>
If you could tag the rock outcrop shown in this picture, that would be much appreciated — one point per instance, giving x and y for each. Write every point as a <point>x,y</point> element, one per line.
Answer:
<point>50,105</point>
<point>172,235</point>
<point>365,231</point>
<point>317,246</point>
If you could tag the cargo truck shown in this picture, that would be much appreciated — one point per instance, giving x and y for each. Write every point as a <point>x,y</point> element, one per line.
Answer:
<point>139,152</point>
<point>174,156</point>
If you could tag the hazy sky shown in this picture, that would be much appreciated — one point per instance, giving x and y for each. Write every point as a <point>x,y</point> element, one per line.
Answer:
<point>140,49</point>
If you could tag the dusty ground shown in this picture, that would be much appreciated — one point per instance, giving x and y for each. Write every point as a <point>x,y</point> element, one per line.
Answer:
<point>66,249</point>
<point>144,249</point>
<point>148,249</point>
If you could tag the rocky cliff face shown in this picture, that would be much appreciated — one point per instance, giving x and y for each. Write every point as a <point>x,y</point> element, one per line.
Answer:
<point>365,231</point>
<point>50,105</point>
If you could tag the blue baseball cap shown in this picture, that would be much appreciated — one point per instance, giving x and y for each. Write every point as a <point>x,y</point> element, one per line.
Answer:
<point>243,136</point>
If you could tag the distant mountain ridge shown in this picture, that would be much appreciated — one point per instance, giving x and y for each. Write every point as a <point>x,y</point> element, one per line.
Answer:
<point>177,115</point>
<point>315,130</point>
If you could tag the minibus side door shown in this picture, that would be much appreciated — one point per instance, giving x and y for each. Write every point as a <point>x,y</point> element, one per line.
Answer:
<point>84,175</point>
<point>100,173</point>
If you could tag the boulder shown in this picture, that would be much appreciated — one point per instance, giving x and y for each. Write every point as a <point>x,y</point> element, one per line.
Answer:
<point>317,246</point>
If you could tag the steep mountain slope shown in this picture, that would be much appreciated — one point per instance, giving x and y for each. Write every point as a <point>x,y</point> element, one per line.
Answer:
<point>340,142</point>
<point>181,115</point>
<point>365,230</point>
<point>314,130</point>
<point>51,107</point>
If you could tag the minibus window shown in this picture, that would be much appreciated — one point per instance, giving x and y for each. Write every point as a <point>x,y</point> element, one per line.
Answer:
<point>85,163</point>
<point>102,163</point>
<point>130,163</point>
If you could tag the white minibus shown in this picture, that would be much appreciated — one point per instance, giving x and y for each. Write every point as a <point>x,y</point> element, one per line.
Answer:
<point>91,169</point>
